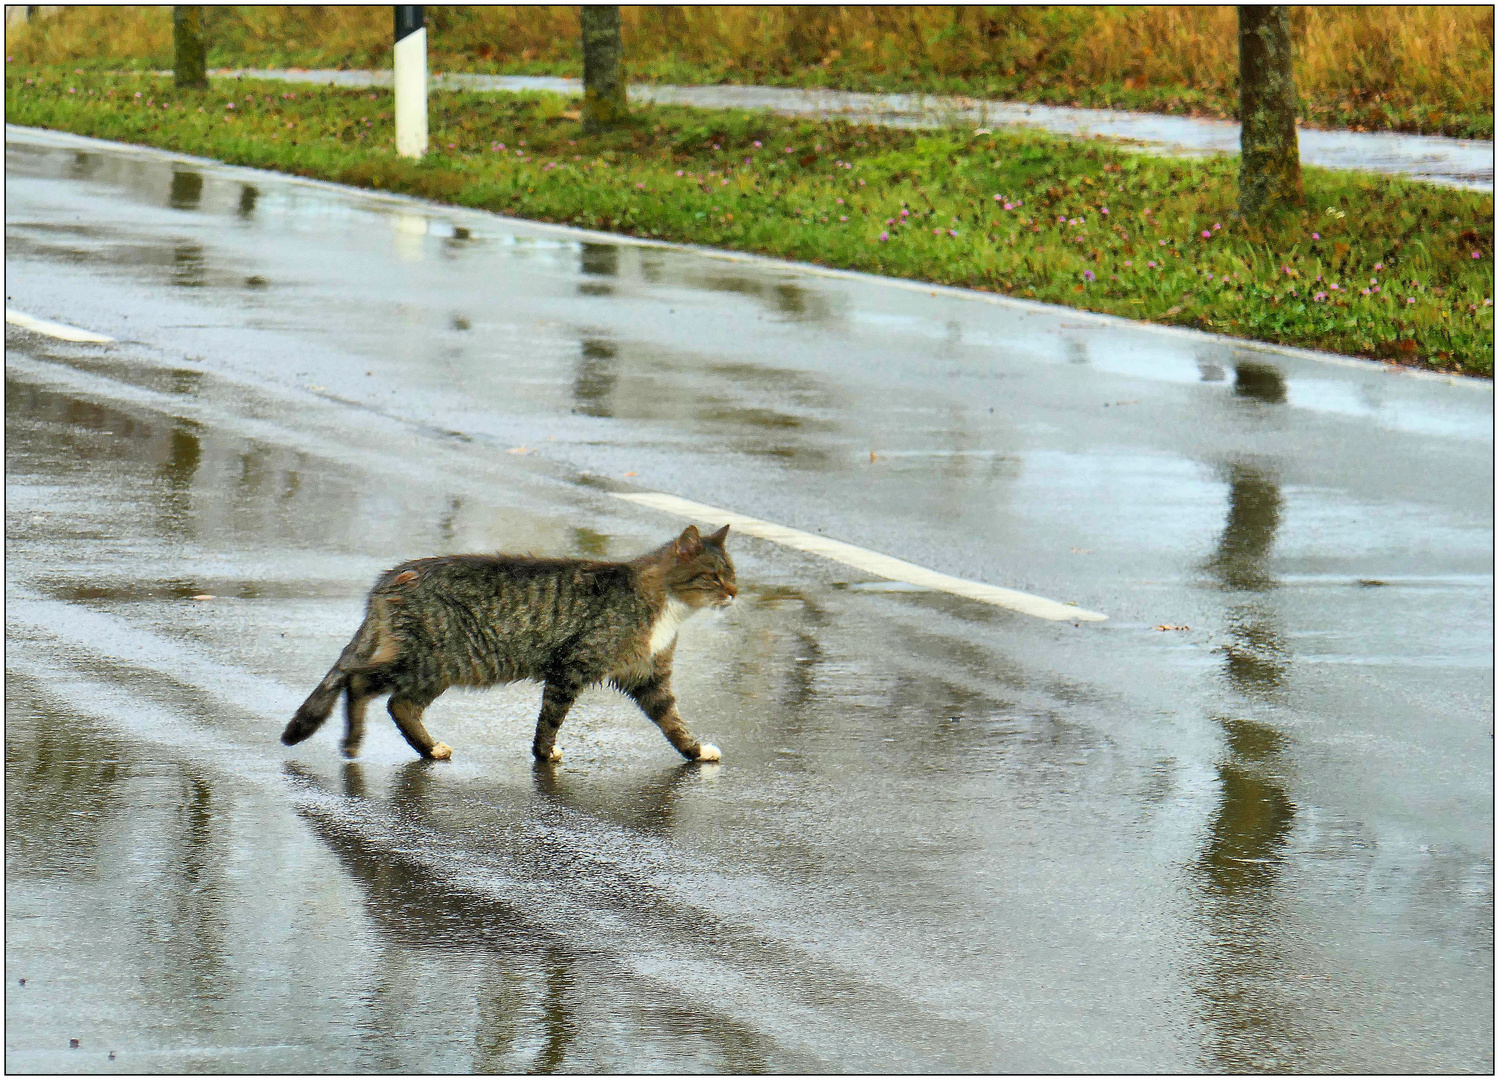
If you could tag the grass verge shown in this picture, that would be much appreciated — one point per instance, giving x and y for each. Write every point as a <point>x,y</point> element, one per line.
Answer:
<point>1375,267</point>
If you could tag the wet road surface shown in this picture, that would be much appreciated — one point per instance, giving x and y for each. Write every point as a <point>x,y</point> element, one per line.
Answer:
<point>1436,159</point>
<point>945,835</point>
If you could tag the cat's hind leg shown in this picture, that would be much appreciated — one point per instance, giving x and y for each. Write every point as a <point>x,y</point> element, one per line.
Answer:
<point>656,700</point>
<point>406,708</point>
<point>556,698</point>
<point>360,690</point>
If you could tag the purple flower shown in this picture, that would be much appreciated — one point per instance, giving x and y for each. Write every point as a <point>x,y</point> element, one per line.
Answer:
<point>1087,275</point>
<point>1152,266</point>
<point>1316,236</point>
<point>843,217</point>
<point>1206,235</point>
<point>1476,255</point>
<point>1000,198</point>
<point>757,144</point>
<point>1128,263</point>
<point>1104,211</point>
<point>679,172</point>
<point>1216,226</point>
<point>1009,206</point>
<point>904,213</point>
<point>952,232</point>
<point>1320,296</point>
<point>884,236</point>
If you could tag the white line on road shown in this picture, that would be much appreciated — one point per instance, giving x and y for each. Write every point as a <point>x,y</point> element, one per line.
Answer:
<point>54,329</point>
<point>873,562</point>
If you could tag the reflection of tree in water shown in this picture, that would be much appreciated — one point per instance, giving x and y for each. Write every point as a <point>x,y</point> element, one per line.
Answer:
<point>249,195</point>
<point>184,455</point>
<point>186,191</point>
<point>188,908</point>
<point>63,783</point>
<point>598,261</point>
<point>1239,866</point>
<point>594,377</point>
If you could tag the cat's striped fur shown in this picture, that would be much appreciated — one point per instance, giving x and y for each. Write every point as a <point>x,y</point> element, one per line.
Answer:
<point>481,620</point>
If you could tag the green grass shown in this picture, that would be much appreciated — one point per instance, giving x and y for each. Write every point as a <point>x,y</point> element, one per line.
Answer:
<point>1374,267</point>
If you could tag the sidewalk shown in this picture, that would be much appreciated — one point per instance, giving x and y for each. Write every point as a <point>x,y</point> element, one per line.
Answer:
<point>1459,163</point>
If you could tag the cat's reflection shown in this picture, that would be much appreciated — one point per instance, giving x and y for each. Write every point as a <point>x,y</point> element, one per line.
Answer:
<point>649,806</point>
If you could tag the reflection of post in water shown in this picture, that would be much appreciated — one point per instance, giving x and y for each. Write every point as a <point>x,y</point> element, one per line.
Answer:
<point>598,261</point>
<point>1253,1027</point>
<point>594,378</point>
<point>186,192</point>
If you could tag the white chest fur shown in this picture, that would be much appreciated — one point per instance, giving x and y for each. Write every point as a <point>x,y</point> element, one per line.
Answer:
<point>664,630</point>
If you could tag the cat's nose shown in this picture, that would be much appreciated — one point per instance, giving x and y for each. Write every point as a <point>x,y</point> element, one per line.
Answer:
<point>732,590</point>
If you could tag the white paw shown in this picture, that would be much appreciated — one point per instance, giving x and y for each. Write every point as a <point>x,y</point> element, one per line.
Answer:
<point>441,751</point>
<point>709,752</point>
<point>556,754</point>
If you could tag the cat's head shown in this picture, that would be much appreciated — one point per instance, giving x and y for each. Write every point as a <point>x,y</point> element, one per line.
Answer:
<point>699,571</point>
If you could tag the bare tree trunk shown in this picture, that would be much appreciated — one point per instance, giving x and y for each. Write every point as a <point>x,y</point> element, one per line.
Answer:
<point>1270,158</point>
<point>189,54</point>
<point>603,69</point>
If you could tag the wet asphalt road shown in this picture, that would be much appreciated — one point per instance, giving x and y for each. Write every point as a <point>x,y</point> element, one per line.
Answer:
<point>945,836</point>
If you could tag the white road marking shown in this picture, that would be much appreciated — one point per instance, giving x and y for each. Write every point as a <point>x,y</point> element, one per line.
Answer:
<point>873,562</point>
<point>54,329</point>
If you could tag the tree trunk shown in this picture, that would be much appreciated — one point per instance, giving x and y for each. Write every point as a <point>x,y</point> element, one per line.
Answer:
<point>603,69</point>
<point>189,55</point>
<point>1270,159</point>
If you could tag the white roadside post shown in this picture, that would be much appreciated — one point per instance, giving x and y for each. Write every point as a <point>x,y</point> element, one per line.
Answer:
<point>411,81</point>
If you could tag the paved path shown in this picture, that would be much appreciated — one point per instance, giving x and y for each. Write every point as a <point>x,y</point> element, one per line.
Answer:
<point>1462,163</point>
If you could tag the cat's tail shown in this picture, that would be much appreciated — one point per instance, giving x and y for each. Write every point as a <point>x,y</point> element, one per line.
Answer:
<point>317,707</point>
<point>373,646</point>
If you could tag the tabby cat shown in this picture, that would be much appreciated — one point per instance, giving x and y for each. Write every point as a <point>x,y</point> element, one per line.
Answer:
<point>481,620</point>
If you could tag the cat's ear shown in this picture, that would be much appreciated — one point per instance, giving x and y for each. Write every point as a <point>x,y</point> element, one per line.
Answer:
<point>689,544</point>
<point>719,537</point>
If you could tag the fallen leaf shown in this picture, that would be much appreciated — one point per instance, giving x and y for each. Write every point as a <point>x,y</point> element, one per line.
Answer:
<point>1080,551</point>
<point>1173,309</point>
<point>873,456</point>
<point>1168,626</point>
<point>629,474</point>
<point>518,450</point>
<point>204,596</point>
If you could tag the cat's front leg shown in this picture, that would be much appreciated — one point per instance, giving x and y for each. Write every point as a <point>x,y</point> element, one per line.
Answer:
<point>556,698</point>
<point>656,700</point>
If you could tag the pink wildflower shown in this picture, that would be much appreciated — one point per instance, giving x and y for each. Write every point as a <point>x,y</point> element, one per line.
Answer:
<point>1206,235</point>
<point>884,236</point>
<point>1316,236</point>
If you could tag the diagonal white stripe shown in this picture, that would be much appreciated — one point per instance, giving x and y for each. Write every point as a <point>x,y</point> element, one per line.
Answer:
<point>873,562</point>
<point>53,329</point>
